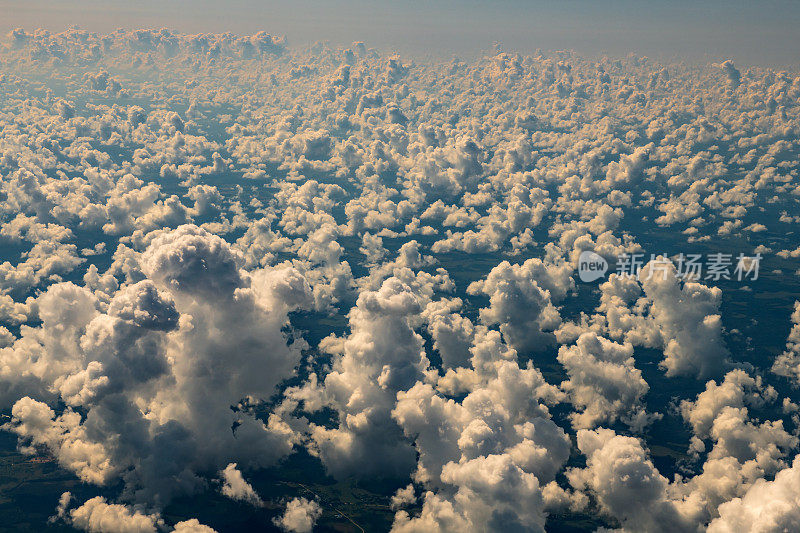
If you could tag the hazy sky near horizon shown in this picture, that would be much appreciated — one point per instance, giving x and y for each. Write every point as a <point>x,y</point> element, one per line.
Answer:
<point>764,32</point>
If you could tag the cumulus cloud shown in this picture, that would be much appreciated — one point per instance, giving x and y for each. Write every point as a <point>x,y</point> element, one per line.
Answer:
<point>626,483</point>
<point>155,345</point>
<point>98,516</point>
<point>300,516</point>
<point>382,356</point>
<point>604,384</point>
<point>657,309</point>
<point>520,301</point>
<point>235,487</point>
<point>788,363</point>
<point>766,506</point>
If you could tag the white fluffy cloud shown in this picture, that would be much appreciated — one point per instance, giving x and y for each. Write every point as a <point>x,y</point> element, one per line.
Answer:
<point>98,516</point>
<point>603,384</point>
<point>660,310</point>
<point>626,483</point>
<point>235,487</point>
<point>766,506</point>
<point>145,364</point>
<point>300,516</point>
<point>788,363</point>
<point>382,356</point>
<point>520,301</point>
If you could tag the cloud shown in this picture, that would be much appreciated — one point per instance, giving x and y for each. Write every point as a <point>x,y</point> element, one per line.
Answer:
<point>766,506</point>
<point>382,356</point>
<point>235,487</point>
<point>98,516</point>
<point>657,309</point>
<point>154,344</point>
<point>492,494</point>
<point>520,301</point>
<point>300,516</point>
<point>689,322</point>
<point>788,363</point>
<point>603,383</point>
<point>192,261</point>
<point>731,72</point>
<point>626,483</point>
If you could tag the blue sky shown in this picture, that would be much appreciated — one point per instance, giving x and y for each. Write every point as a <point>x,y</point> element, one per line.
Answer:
<point>762,32</point>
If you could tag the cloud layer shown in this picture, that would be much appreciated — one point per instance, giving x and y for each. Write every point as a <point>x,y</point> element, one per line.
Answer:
<point>220,251</point>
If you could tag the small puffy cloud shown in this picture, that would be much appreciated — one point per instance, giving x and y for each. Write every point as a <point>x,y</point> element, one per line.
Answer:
<point>766,506</point>
<point>788,363</point>
<point>520,301</point>
<point>236,488</point>
<point>300,516</point>
<point>192,526</point>
<point>403,497</point>
<point>731,73</point>
<point>626,483</point>
<point>603,383</point>
<point>98,516</point>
